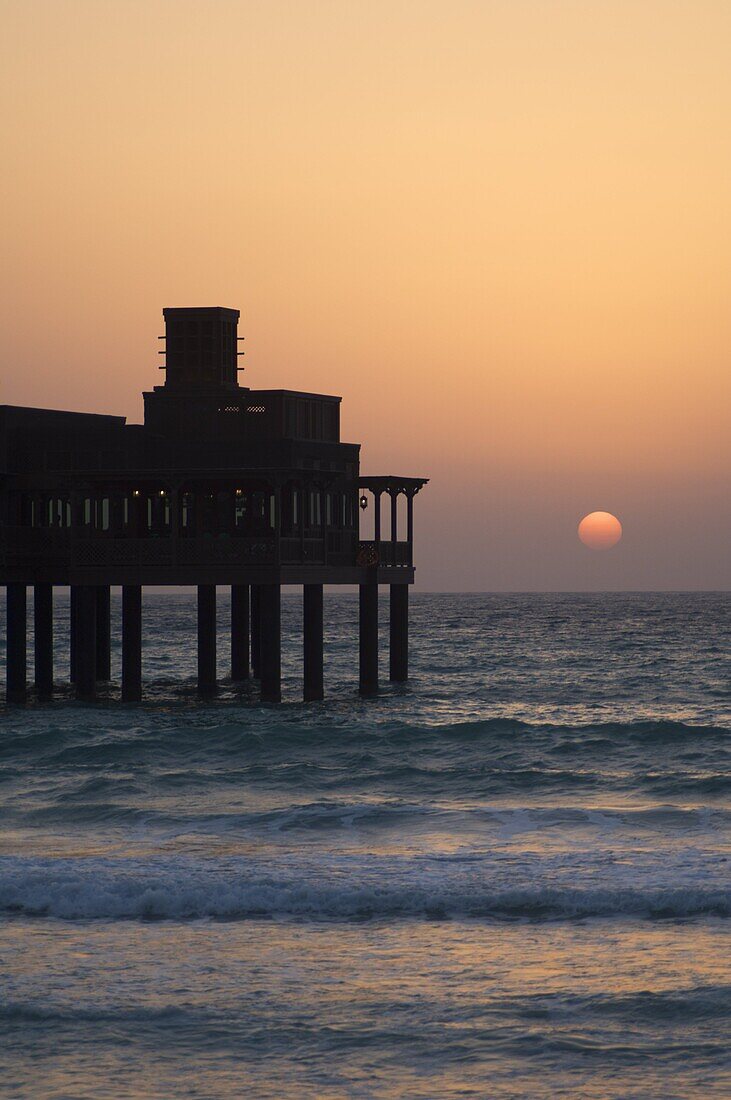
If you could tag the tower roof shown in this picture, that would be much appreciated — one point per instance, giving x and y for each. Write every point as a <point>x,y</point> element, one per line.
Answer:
<point>201,349</point>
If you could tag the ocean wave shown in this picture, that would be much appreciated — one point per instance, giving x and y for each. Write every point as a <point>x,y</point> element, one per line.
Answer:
<point>682,1006</point>
<point>17,1012</point>
<point>81,768</point>
<point>104,735</point>
<point>186,890</point>
<point>375,814</point>
<point>711,785</point>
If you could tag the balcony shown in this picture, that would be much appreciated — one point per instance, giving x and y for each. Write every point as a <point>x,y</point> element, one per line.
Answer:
<point>384,553</point>
<point>78,550</point>
<point>62,549</point>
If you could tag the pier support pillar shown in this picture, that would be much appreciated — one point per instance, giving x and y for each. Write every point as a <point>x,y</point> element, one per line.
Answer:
<point>206,639</point>
<point>85,630</point>
<point>131,643</point>
<point>368,638</point>
<point>239,632</point>
<point>399,633</point>
<point>103,633</point>
<point>15,638</point>
<point>43,644</point>
<point>256,630</point>
<point>313,642</point>
<point>270,642</point>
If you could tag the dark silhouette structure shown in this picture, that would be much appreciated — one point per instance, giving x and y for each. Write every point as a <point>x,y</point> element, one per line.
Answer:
<point>221,485</point>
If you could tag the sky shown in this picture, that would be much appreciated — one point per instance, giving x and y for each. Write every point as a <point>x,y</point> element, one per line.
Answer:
<point>501,230</point>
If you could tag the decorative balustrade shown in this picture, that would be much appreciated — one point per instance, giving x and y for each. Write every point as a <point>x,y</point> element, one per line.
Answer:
<point>87,548</point>
<point>295,549</point>
<point>48,543</point>
<point>384,552</point>
<point>205,550</point>
<point>341,547</point>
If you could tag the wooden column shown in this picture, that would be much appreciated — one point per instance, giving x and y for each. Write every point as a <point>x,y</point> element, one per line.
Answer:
<point>369,637</point>
<point>85,641</point>
<point>15,638</point>
<point>43,621</point>
<point>116,516</point>
<point>103,633</point>
<point>313,642</point>
<point>157,513</point>
<point>223,512</point>
<point>256,630</point>
<point>303,501</point>
<point>176,516</point>
<point>410,526</point>
<point>277,523</point>
<point>131,643</point>
<point>377,520</point>
<point>206,639</point>
<point>270,642</point>
<point>399,633</point>
<point>239,632</point>
<point>137,514</point>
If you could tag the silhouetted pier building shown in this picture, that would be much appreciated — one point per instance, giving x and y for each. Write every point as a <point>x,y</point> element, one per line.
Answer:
<point>221,485</point>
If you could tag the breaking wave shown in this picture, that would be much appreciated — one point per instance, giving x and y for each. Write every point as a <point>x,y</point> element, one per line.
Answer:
<point>446,889</point>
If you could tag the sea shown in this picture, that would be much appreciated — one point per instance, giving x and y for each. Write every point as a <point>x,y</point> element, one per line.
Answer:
<point>510,877</point>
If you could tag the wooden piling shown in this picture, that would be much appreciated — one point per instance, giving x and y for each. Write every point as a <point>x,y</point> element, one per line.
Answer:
<point>206,639</point>
<point>399,633</point>
<point>86,642</point>
<point>239,632</point>
<point>313,641</point>
<point>256,630</point>
<point>43,640</point>
<point>369,637</point>
<point>131,643</point>
<point>270,642</point>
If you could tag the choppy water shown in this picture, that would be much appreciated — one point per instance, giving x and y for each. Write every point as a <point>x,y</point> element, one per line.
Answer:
<point>509,878</point>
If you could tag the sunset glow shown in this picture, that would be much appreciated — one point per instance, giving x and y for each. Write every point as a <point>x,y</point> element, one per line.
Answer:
<point>499,230</point>
<point>363,670</point>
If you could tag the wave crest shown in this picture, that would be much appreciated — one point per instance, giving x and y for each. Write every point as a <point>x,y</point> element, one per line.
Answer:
<point>86,890</point>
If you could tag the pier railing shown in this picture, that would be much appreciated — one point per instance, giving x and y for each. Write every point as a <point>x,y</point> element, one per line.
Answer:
<point>372,552</point>
<point>79,549</point>
<point>47,545</point>
<point>213,550</point>
<point>63,546</point>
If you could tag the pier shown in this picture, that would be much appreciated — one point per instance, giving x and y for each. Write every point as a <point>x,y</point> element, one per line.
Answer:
<point>220,486</point>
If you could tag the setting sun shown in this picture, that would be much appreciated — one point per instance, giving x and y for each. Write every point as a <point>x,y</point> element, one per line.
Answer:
<point>600,530</point>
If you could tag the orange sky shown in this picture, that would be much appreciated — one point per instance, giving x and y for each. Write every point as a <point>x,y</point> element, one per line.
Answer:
<point>500,229</point>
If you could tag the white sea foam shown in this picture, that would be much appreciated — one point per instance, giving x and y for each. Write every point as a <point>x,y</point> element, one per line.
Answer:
<point>472,886</point>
